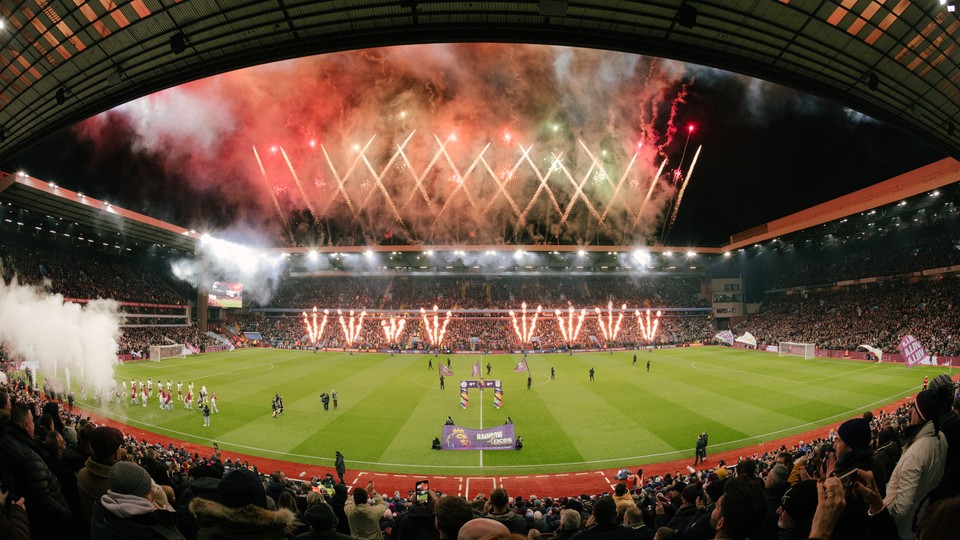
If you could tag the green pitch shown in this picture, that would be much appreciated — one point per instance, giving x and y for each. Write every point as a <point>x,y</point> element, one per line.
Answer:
<point>391,408</point>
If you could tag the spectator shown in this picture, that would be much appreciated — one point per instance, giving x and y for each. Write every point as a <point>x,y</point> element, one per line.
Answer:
<point>633,519</point>
<point>363,511</point>
<point>796,509</point>
<point>920,467</point>
<point>129,509</point>
<point>93,480</point>
<point>569,524</point>
<point>478,528</point>
<point>323,523</point>
<point>500,510</point>
<point>739,509</point>
<point>13,518</point>
<point>242,511</point>
<point>24,472</point>
<point>452,514</point>
<point>605,526</point>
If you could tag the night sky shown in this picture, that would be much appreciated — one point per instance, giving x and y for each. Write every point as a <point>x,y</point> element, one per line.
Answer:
<point>187,155</point>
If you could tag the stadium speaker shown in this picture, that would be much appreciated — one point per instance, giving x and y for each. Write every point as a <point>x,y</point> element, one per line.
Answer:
<point>178,43</point>
<point>687,15</point>
<point>61,96</point>
<point>873,82</point>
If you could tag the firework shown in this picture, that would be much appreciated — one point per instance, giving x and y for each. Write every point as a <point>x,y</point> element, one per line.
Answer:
<point>525,333</point>
<point>570,332</point>
<point>648,328</point>
<point>436,331</point>
<point>393,329</point>
<point>351,330</point>
<point>314,332</point>
<point>608,328</point>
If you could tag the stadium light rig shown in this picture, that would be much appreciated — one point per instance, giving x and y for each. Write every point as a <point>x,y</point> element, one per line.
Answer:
<point>314,332</point>
<point>648,328</point>
<point>436,332</point>
<point>609,329</point>
<point>351,330</point>
<point>570,332</point>
<point>525,333</point>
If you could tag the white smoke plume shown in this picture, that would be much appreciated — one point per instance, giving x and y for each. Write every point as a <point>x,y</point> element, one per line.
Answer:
<point>38,326</point>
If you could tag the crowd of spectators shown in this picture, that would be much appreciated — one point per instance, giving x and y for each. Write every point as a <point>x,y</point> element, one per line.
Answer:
<point>136,341</point>
<point>487,292</point>
<point>877,314</point>
<point>476,332</point>
<point>890,475</point>
<point>930,242</point>
<point>82,271</point>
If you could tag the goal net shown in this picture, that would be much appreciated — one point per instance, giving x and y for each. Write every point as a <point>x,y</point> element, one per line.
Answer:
<point>806,350</point>
<point>162,352</point>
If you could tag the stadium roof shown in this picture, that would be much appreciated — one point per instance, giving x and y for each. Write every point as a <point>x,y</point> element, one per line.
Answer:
<point>66,61</point>
<point>47,205</point>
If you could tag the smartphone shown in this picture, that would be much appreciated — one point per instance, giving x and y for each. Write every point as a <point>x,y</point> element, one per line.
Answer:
<point>848,480</point>
<point>421,491</point>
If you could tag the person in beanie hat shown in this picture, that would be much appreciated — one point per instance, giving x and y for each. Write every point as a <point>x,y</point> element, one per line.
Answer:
<point>853,451</point>
<point>949,426</point>
<point>795,514</point>
<point>242,511</point>
<point>93,480</point>
<point>323,523</point>
<point>920,467</point>
<point>131,508</point>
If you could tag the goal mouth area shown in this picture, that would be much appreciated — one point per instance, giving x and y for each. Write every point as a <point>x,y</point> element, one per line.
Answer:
<point>789,348</point>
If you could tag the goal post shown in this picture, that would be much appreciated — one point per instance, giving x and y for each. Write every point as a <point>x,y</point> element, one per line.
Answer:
<point>806,350</point>
<point>162,352</point>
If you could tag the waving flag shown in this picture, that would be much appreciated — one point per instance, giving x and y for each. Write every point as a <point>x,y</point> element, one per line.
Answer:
<point>874,350</point>
<point>521,366</point>
<point>747,339</point>
<point>725,336</point>
<point>912,351</point>
<point>476,369</point>
<point>445,371</point>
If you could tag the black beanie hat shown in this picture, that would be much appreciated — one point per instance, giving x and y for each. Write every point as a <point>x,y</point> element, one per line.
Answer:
<point>800,501</point>
<point>855,433</point>
<point>241,487</point>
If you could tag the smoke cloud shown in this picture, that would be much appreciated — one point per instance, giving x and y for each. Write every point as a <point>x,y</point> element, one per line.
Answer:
<point>430,143</point>
<point>38,326</point>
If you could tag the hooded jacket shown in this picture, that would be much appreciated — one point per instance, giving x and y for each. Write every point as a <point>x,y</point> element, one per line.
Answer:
<point>218,521</point>
<point>23,470</point>
<point>121,517</point>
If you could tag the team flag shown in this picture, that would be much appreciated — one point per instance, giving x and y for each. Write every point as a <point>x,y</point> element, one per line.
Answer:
<point>476,369</point>
<point>521,366</point>
<point>876,351</point>
<point>747,339</point>
<point>445,371</point>
<point>912,351</point>
<point>725,336</point>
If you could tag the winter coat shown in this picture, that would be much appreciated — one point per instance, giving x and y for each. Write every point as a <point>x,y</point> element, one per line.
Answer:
<point>24,472</point>
<point>220,522</point>
<point>513,521</point>
<point>917,473</point>
<point>853,523</point>
<point>365,518</point>
<point>416,524</point>
<point>123,517</point>
<point>92,483</point>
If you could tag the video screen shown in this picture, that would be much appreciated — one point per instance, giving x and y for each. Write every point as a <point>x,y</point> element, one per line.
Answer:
<point>225,294</point>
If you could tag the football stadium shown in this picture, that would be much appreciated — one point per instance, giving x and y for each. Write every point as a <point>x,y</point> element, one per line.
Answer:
<point>424,270</point>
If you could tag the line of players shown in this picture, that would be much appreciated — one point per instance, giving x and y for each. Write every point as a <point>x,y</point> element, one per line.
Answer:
<point>141,393</point>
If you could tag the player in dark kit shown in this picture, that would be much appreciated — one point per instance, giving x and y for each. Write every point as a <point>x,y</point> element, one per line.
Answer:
<point>634,359</point>
<point>591,374</point>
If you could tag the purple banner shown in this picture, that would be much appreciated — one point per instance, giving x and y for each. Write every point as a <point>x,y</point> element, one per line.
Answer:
<point>912,351</point>
<point>495,438</point>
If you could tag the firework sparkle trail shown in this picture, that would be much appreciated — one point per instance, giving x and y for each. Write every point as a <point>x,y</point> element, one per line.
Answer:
<point>393,329</point>
<point>609,329</point>
<point>315,332</point>
<point>351,329</point>
<point>648,328</point>
<point>570,332</point>
<point>524,332</point>
<point>437,331</point>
